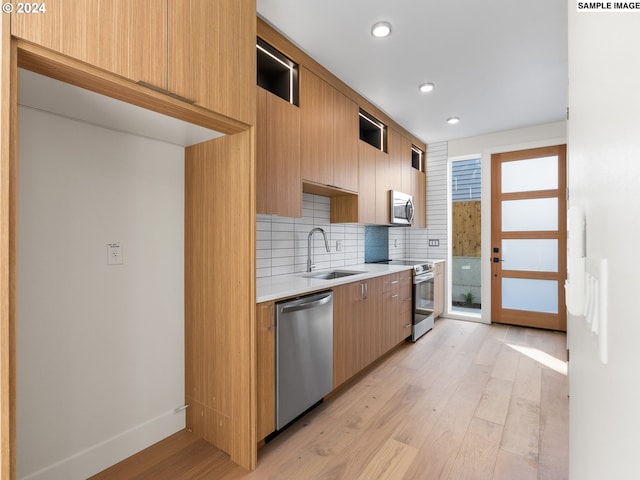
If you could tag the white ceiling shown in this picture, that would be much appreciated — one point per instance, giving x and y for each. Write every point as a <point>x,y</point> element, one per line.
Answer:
<point>496,64</point>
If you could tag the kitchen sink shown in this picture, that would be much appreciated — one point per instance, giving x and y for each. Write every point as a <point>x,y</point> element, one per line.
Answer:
<point>332,275</point>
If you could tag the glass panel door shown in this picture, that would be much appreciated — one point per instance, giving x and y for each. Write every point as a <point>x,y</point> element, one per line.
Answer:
<point>528,235</point>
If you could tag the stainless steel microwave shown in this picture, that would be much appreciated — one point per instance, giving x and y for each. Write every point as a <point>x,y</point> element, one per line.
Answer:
<point>401,208</point>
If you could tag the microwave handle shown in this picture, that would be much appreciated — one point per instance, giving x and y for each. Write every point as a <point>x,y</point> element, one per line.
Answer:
<point>409,210</point>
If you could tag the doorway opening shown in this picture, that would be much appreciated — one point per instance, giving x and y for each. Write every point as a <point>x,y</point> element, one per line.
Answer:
<point>466,245</point>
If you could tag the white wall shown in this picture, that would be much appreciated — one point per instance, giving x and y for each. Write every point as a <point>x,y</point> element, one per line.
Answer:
<point>100,348</point>
<point>484,146</point>
<point>604,177</point>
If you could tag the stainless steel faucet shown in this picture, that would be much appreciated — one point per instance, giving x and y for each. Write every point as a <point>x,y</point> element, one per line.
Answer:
<point>310,264</point>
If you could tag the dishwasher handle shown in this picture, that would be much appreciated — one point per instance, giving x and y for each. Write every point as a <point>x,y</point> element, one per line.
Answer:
<point>307,306</point>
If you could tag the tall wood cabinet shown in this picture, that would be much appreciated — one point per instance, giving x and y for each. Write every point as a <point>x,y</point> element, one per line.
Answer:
<point>201,50</point>
<point>438,289</point>
<point>329,134</point>
<point>278,182</point>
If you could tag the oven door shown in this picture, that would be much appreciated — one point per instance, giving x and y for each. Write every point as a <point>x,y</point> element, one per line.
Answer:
<point>422,305</point>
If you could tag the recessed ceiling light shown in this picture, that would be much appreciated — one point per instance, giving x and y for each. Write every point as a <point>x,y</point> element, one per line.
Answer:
<point>453,120</point>
<point>426,87</point>
<point>381,29</point>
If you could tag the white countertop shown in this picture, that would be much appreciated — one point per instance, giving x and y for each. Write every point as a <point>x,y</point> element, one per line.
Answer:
<point>282,286</point>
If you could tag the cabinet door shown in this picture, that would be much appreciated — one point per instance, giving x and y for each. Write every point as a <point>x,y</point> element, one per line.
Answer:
<point>345,143</point>
<point>265,369</point>
<point>367,157</point>
<point>262,205</point>
<point>316,128</point>
<point>278,183</point>
<point>123,37</point>
<point>419,193</point>
<point>438,289</point>
<point>347,300</point>
<point>399,158</point>
<point>383,172</point>
<point>406,309</point>
<point>212,55</point>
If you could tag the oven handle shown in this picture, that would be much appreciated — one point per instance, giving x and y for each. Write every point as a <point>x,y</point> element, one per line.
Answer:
<point>423,278</point>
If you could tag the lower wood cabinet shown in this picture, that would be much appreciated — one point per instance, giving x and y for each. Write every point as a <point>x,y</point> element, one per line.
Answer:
<point>278,181</point>
<point>369,319</point>
<point>266,369</point>
<point>438,289</point>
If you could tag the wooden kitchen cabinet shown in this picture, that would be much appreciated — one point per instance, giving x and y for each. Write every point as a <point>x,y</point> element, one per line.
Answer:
<point>265,369</point>
<point>397,308</point>
<point>419,192</point>
<point>212,55</point>
<point>123,37</point>
<point>201,50</point>
<point>438,289</point>
<point>368,158</point>
<point>278,181</point>
<point>329,134</point>
<point>345,142</point>
<point>399,161</point>
<point>356,310</point>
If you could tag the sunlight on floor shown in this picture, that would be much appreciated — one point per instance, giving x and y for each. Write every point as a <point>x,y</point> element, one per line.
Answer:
<point>542,357</point>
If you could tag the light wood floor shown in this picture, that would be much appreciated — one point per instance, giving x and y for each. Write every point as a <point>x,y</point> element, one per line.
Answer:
<point>467,401</point>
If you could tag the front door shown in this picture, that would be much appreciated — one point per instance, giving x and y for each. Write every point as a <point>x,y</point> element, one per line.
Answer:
<point>528,237</point>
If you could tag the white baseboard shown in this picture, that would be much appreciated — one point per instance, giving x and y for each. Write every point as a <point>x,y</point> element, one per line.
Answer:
<point>98,457</point>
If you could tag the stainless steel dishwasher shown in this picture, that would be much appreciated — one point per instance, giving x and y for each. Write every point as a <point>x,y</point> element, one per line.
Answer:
<point>304,354</point>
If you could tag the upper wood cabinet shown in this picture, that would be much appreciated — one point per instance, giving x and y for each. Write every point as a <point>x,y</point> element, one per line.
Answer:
<point>265,369</point>
<point>198,49</point>
<point>278,183</point>
<point>419,192</point>
<point>329,134</point>
<point>368,158</point>
<point>124,37</point>
<point>212,55</point>
<point>400,162</point>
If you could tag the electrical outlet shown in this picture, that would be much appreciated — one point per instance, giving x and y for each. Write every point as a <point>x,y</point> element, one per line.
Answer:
<point>434,242</point>
<point>338,245</point>
<point>114,253</point>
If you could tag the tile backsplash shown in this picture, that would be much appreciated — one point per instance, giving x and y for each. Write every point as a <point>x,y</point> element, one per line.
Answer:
<point>281,242</point>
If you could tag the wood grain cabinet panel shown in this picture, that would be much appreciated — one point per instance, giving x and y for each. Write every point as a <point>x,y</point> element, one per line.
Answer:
<point>278,181</point>
<point>123,37</point>
<point>399,160</point>
<point>367,159</point>
<point>201,50</point>
<point>266,369</point>
<point>316,130</point>
<point>438,289</point>
<point>212,55</point>
<point>419,193</point>
<point>329,133</point>
<point>345,144</point>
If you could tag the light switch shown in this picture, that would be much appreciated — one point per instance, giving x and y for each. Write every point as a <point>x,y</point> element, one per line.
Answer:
<point>338,245</point>
<point>434,242</point>
<point>114,253</point>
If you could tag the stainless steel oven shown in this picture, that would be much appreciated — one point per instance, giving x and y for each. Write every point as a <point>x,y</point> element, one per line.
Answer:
<point>423,318</point>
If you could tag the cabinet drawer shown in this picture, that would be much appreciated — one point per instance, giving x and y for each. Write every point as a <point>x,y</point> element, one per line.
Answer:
<point>391,282</point>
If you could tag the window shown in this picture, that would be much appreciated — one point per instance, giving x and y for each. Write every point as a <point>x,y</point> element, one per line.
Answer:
<point>373,131</point>
<point>417,158</point>
<point>277,73</point>
<point>466,176</point>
